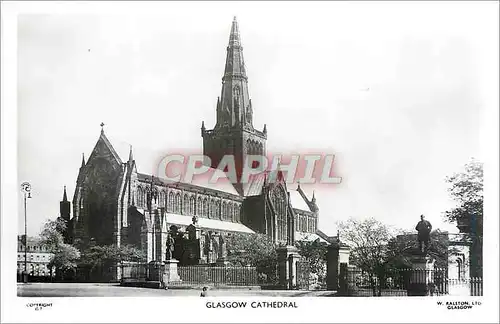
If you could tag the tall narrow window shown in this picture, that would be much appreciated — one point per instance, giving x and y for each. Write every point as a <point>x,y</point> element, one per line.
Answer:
<point>185,206</point>
<point>199,207</point>
<point>279,200</point>
<point>170,202</point>
<point>178,203</point>
<point>192,210</point>
<point>205,207</point>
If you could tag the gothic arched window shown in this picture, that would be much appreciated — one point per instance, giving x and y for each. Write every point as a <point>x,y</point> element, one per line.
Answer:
<point>178,203</point>
<point>233,214</point>
<point>199,207</point>
<point>170,202</point>
<point>229,211</point>
<point>185,206</point>
<point>192,205</point>
<point>217,209</point>
<point>279,201</point>
<point>224,210</point>
<point>140,197</point>
<point>211,208</point>
<point>205,207</point>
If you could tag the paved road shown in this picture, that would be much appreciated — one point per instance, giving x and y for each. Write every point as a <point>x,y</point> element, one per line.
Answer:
<point>114,290</point>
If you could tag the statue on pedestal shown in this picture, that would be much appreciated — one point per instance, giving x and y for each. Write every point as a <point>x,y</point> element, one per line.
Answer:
<point>423,228</point>
<point>170,247</point>
<point>222,246</point>
<point>191,229</point>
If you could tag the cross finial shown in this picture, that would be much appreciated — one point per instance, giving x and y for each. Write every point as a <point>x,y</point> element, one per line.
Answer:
<point>102,127</point>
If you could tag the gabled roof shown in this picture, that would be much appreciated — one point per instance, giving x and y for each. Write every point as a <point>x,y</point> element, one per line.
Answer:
<point>109,146</point>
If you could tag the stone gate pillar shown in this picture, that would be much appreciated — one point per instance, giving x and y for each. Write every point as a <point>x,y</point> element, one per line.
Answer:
<point>332,266</point>
<point>422,276</point>
<point>287,266</point>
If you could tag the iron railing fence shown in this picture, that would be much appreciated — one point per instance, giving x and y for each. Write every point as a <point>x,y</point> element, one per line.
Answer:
<point>397,282</point>
<point>210,275</point>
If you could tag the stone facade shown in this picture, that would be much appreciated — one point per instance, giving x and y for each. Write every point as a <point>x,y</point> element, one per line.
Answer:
<point>114,203</point>
<point>234,133</point>
<point>37,256</point>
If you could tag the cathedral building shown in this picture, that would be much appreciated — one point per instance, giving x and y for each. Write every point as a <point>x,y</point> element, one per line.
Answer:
<point>114,203</point>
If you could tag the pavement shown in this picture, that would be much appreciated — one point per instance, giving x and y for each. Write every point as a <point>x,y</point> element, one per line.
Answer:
<point>115,290</point>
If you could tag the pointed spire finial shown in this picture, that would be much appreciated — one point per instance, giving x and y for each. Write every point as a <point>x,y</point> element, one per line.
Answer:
<point>265,129</point>
<point>83,160</point>
<point>234,37</point>
<point>298,184</point>
<point>313,198</point>
<point>65,197</point>
<point>130,155</point>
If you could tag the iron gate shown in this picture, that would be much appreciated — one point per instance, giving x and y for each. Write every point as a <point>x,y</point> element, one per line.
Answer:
<point>303,273</point>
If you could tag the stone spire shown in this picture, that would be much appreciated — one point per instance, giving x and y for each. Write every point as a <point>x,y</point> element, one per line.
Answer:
<point>234,107</point>
<point>130,155</point>
<point>65,196</point>
<point>64,210</point>
<point>203,129</point>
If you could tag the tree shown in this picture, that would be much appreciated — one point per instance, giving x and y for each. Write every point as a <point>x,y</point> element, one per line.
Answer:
<point>109,255</point>
<point>369,241</point>
<point>100,259</point>
<point>65,255</point>
<point>253,250</point>
<point>403,246</point>
<point>315,254</point>
<point>466,189</point>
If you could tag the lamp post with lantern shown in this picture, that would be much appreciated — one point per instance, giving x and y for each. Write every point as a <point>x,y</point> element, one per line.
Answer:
<point>26,189</point>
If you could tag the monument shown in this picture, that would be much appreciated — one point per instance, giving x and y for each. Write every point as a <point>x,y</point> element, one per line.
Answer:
<point>423,228</point>
<point>422,276</point>
<point>170,273</point>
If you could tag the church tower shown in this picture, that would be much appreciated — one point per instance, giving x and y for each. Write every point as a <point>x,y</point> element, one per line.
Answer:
<point>234,133</point>
<point>64,207</point>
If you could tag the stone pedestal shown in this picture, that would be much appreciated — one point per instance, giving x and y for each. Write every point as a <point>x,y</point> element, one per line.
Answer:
<point>332,267</point>
<point>422,276</point>
<point>154,268</point>
<point>170,273</point>
<point>287,266</point>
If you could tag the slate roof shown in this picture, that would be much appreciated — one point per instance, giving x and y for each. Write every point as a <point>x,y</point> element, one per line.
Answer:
<point>206,223</point>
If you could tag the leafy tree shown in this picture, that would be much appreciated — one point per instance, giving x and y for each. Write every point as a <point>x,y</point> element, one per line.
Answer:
<point>253,250</point>
<point>65,258</point>
<point>368,240</point>
<point>65,255</point>
<point>315,253</point>
<point>99,261</point>
<point>402,247</point>
<point>466,189</point>
<point>109,255</point>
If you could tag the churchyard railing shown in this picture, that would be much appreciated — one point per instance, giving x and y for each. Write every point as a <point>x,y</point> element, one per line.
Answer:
<point>217,276</point>
<point>398,282</point>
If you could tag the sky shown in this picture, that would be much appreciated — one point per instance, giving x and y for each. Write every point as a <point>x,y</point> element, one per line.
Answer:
<point>395,90</point>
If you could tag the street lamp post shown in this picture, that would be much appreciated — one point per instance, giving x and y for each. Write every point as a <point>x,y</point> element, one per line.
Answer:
<point>26,189</point>
<point>152,218</point>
